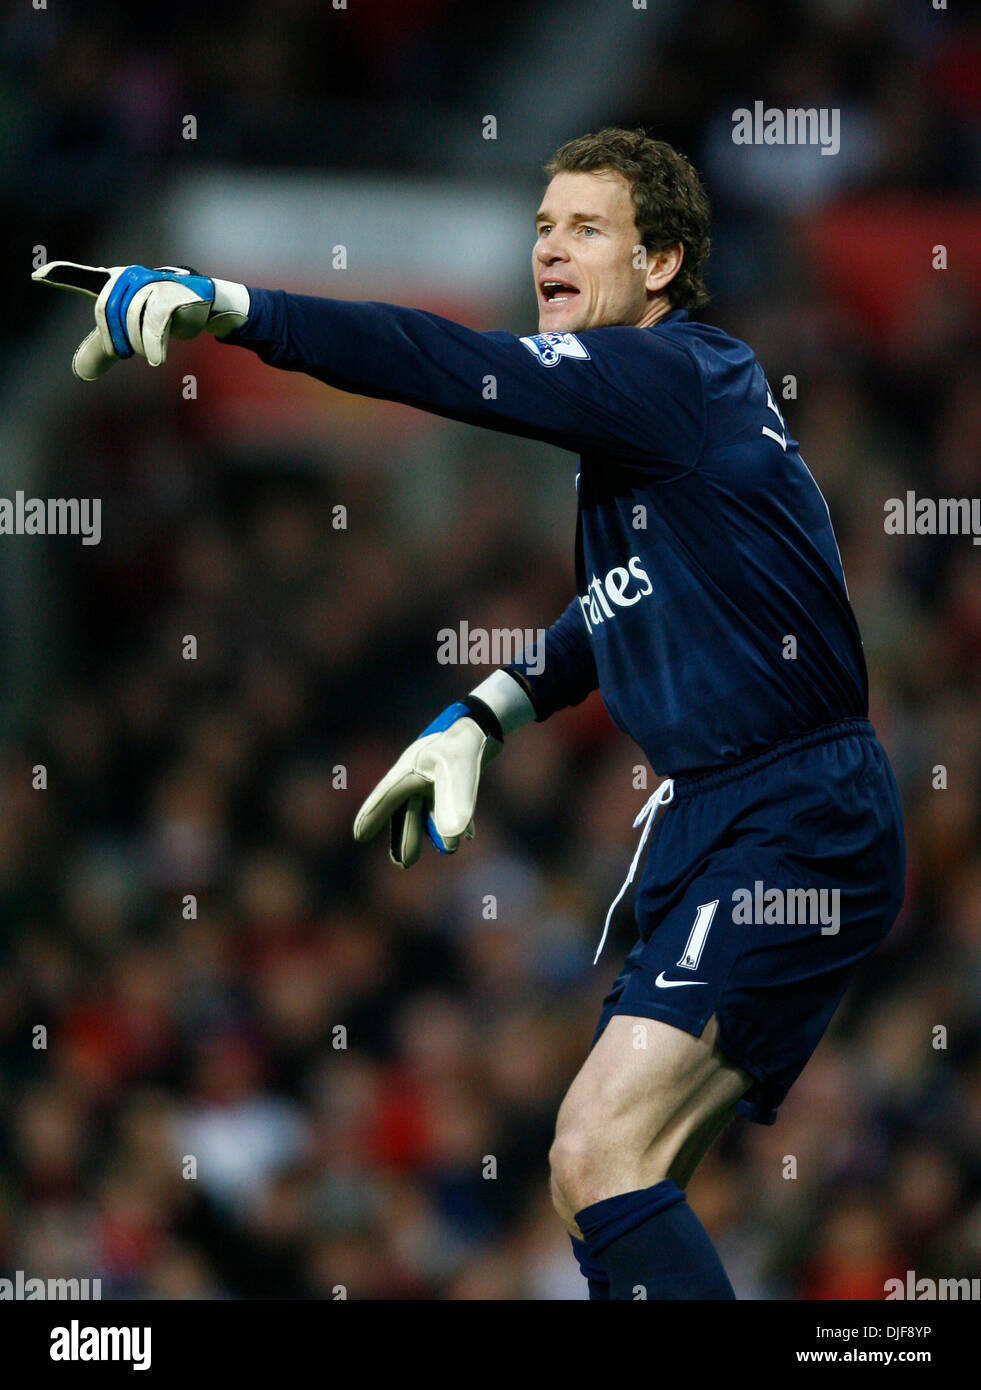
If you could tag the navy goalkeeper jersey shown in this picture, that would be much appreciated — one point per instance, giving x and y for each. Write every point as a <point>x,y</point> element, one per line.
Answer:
<point>711,607</point>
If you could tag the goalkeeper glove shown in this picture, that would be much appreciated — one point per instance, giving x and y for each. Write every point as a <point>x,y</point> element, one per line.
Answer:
<point>137,310</point>
<point>435,781</point>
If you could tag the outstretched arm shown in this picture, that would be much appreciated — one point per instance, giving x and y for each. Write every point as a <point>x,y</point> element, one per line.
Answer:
<point>625,391</point>
<point>617,389</point>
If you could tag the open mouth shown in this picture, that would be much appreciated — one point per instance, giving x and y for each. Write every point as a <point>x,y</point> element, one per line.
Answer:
<point>557,291</point>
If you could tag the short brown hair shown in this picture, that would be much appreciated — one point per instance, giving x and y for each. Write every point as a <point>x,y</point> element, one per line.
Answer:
<point>670,203</point>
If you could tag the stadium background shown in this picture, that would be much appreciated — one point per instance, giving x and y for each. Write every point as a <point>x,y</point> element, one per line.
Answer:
<point>363,1166</point>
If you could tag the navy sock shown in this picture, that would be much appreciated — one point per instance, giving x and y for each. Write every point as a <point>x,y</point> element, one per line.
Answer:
<point>651,1240</point>
<point>595,1275</point>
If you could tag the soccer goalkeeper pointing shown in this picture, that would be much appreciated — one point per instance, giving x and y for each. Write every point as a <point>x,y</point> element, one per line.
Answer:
<point>711,612</point>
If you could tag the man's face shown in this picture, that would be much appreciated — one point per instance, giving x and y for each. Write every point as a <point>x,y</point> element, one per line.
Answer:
<point>586,245</point>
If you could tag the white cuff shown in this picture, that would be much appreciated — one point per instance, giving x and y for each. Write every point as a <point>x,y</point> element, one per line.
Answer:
<point>507,698</point>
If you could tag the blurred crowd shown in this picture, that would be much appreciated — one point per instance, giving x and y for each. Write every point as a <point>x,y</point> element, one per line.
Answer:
<point>275,1065</point>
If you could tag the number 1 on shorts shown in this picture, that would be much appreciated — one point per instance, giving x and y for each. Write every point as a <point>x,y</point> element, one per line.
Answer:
<point>696,941</point>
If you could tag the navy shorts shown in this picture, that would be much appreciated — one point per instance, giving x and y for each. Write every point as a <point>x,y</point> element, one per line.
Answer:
<point>765,885</point>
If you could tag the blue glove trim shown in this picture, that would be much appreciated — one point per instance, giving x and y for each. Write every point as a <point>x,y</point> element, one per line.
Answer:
<point>133,278</point>
<point>434,835</point>
<point>443,721</point>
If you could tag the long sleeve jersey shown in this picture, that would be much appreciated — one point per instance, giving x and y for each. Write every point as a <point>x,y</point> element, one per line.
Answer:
<point>711,609</point>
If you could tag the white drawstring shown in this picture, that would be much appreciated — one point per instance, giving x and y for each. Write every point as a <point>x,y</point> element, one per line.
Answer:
<point>646,813</point>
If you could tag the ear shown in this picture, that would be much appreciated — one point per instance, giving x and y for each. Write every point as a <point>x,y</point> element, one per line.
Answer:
<point>662,267</point>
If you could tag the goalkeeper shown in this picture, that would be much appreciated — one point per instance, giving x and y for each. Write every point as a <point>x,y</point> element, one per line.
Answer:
<point>710,610</point>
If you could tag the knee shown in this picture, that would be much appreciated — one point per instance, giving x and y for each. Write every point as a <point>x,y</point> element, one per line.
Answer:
<point>586,1165</point>
<point>566,1161</point>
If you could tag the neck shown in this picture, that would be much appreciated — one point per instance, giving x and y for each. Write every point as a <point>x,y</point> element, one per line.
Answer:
<point>658,307</point>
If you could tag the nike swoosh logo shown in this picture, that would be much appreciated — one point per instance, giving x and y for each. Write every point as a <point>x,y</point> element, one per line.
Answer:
<point>662,983</point>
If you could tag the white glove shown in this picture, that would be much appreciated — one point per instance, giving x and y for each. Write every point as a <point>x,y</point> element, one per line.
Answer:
<point>138,309</point>
<point>436,778</point>
<point>435,781</point>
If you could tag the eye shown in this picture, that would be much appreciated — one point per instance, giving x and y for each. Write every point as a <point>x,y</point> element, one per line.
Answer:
<point>544,228</point>
<point>589,229</point>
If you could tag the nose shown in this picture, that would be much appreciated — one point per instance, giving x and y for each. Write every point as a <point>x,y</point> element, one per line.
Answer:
<point>550,250</point>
